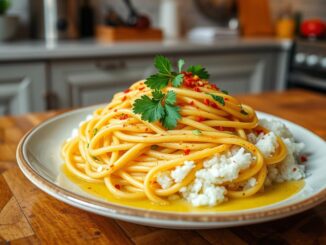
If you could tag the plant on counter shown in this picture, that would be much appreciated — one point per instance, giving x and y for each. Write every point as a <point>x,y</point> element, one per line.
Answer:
<point>4,6</point>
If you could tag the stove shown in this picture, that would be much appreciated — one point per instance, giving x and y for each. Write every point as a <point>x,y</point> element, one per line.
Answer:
<point>308,65</point>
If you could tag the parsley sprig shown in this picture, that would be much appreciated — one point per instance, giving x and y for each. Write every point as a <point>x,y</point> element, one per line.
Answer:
<point>161,107</point>
<point>165,74</point>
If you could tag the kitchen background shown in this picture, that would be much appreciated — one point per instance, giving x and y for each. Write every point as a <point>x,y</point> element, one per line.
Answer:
<point>309,9</point>
<point>271,49</point>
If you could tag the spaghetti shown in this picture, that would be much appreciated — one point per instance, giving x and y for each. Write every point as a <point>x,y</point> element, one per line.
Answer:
<point>116,147</point>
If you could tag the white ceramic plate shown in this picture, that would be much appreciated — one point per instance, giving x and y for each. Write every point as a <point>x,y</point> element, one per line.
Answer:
<point>38,156</point>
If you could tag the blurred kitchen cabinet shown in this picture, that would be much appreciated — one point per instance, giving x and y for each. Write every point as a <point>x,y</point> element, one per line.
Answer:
<point>81,83</point>
<point>75,83</point>
<point>240,73</point>
<point>22,87</point>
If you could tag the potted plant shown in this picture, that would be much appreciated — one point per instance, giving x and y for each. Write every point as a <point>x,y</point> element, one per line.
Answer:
<point>8,24</point>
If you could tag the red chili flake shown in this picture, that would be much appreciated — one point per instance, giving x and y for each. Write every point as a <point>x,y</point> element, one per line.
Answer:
<point>142,88</point>
<point>191,103</point>
<point>124,98</point>
<point>186,151</point>
<point>220,128</point>
<point>123,117</point>
<point>206,101</point>
<point>196,89</point>
<point>214,86</point>
<point>117,186</point>
<point>303,158</point>
<point>200,119</point>
<point>215,106</point>
<point>227,99</point>
<point>189,82</point>
<point>127,91</point>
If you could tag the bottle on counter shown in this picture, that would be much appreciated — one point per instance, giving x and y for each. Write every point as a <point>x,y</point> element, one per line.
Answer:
<point>87,19</point>
<point>169,18</point>
<point>285,24</point>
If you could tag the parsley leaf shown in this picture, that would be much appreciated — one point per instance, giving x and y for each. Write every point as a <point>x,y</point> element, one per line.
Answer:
<point>162,64</point>
<point>171,98</point>
<point>199,71</point>
<point>95,130</point>
<point>157,81</point>
<point>150,110</point>
<point>196,132</point>
<point>171,117</point>
<point>177,80</point>
<point>157,95</point>
<point>181,63</point>
<point>224,92</point>
<point>217,98</point>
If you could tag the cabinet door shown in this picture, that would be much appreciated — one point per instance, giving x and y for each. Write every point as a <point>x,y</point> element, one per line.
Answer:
<point>81,83</point>
<point>22,87</point>
<point>238,73</point>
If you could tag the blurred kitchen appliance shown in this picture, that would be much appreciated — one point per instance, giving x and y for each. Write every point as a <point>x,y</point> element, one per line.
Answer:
<point>54,19</point>
<point>308,65</point>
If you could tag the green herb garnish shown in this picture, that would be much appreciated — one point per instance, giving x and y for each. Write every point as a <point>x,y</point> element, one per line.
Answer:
<point>154,147</point>
<point>199,71</point>
<point>161,107</point>
<point>196,132</point>
<point>165,74</point>
<point>224,92</point>
<point>95,130</point>
<point>218,98</point>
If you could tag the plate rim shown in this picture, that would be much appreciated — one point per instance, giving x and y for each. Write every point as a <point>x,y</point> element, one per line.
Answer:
<point>111,209</point>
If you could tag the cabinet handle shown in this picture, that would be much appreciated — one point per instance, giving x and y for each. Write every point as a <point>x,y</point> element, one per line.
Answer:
<point>110,66</point>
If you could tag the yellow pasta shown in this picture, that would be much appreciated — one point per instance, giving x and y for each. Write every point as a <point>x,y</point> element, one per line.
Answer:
<point>116,147</point>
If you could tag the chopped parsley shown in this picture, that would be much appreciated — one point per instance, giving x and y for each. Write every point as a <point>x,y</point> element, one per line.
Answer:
<point>218,98</point>
<point>95,130</point>
<point>154,147</point>
<point>196,132</point>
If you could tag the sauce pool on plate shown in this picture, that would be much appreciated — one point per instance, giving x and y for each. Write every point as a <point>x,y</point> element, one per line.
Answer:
<point>271,195</point>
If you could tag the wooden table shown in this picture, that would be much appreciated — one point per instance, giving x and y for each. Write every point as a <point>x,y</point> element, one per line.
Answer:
<point>29,215</point>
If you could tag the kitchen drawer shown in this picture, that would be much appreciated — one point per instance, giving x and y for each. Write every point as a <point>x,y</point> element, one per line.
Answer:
<point>81,83</point>
<point>22,88</point>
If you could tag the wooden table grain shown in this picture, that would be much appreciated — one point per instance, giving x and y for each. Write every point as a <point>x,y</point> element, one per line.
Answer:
<point>28,215</point>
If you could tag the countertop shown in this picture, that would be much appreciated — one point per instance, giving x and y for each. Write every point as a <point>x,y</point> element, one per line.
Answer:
<point>40,50</point>
<point>28,215</point>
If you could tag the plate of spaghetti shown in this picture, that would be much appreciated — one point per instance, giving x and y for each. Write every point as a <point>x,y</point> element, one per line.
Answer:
<point>176,151</point>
